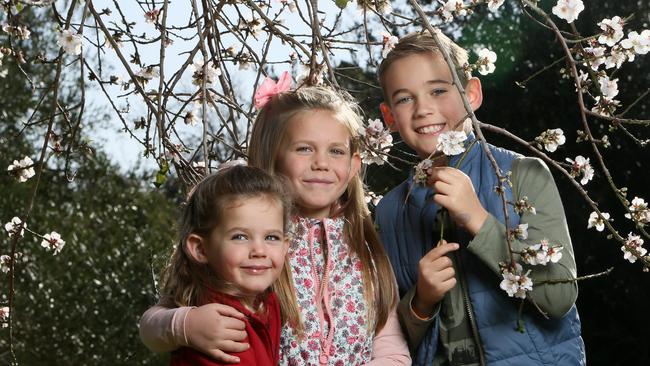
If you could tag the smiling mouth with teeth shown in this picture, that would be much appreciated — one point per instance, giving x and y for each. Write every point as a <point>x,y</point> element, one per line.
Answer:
<point>430,129</point>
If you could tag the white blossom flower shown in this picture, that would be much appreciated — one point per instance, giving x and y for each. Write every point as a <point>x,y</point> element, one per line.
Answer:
<point>303,73</point>
<point>581,166</point>
<point>16,226</point>
<point>53,241</point>
<point>4,316</point>
<point>22,169</point>
<point>450,7</point>
<point>199,164</point>
<point>372,197</point>
<point>148,73</point>
<point>210,75</point>
<point>151,16</point>
<point>521,232</point>
<point>377,142</point>
<point>70,42</point>
<point>516,283</point>
<point>568,9</point>
<point>422,171</point>
<point>190,118</point>
<point>542,253</point>
<point>608,87</point>
<point>523,206</point>
<point>616,57</point>
<point>486,60</point>
<point>597,221</point>
<point>493,5</point>
<point>612,31</point>
<point>5,262</point>
<point>632,248</point>
<point>604,106</point>
<point>639,211</point>
<point>451,142</point>
<point>639,43</point>
<point>388,43</point>
<point>551,139</point>
<point>594,57</point>
<point>19,31</point>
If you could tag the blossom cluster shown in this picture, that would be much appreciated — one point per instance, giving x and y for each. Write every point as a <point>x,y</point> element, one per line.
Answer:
<point>542,253</point>
<point>551,139</point>
<point>515,282</point>
<point>632,249</point>
<point>639,211</point>
<point>422,172</point>
<point>53,241</point>
<point>523,206</point>
<point>485,62</point>
<point>372,197</point>
<point>16,227</point>
<point>4,316</point>
<point>458,7</point>
<point>22,169</point>
<point>581,166</point>
<point>377,142</point>
<point>208,73</point>
<point>597,221</point>
<point>70,42</point>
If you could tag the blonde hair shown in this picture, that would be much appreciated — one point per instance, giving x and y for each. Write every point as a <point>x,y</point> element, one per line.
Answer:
<point>269,136</point>
<point>420,43</point>
<point>188,282</point>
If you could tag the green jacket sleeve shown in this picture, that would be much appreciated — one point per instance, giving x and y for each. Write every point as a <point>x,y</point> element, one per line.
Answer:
<point>532,178</point>
<point>414,327</point>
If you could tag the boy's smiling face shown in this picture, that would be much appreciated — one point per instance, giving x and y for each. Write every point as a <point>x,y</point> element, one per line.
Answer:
<point>423,100</point>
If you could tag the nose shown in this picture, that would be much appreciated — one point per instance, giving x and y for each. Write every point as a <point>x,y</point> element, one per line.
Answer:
<point>258,249</point>
<point>320,160</point>
<point>423,108</point>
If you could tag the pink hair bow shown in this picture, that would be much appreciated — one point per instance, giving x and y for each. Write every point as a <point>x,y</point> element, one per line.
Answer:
<point>269,88</point>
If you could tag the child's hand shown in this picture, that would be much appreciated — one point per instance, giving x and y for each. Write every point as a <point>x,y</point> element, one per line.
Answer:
<point>455,192</point>
<point>436,276</point>
<point>215,329</point>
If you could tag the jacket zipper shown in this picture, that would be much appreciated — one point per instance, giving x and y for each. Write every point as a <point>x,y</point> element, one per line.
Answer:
<point>469,310</point>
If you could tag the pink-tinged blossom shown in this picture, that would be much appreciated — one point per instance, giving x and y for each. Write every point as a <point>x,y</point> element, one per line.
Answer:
<point>639,211</point>
<point>152,16</point>
<point>542,253</point>
<point>638,43</point>
<point>616,57</point>
<point>16,227</point>
<point>451,142</point>
<point>568,9</point>
<point>422,171</point>
<point>493,5</point>
<point>551,139</point>
<point>515,283</point>
<point>450,7</point>
<point>597,221</point>
<point>388,43</point>
<point>53,241</point>
<point>70,42</point>
<point>486,60</point>
<point>581,166</point>
<point>22,169</point>
<point>633,248</point>
<point>612,31</point>
<point>377,142</point>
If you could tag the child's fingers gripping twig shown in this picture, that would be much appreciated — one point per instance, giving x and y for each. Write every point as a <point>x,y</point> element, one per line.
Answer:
<point>216,329</point>
<point>436,277</point>
<point>455,192</point>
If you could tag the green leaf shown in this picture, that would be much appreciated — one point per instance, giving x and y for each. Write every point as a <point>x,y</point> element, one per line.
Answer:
<point>341,3</point>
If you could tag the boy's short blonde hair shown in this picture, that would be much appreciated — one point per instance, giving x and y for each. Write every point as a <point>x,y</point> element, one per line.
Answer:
<point>422,42</point>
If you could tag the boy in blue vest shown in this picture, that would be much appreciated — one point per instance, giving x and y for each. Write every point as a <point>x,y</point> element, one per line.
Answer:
<point>452,309</point>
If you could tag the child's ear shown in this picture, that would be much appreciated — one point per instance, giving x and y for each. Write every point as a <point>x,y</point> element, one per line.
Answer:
<point>195,248</point>
<point>474,93</point>
<point>389,119</point>
<point>355,165</point>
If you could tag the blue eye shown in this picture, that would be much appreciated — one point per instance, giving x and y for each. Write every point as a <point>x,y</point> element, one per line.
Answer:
<point>304,149</point>
<point>338,151</point>
<point>438,91</point>
<point>273,238</point>
<point>403,100</point>
<point>239,237</point>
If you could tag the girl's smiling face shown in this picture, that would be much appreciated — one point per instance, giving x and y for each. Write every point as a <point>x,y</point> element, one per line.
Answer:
<point>316,158</point>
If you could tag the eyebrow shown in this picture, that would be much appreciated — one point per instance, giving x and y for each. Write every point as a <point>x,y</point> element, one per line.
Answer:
<point>429,82</point>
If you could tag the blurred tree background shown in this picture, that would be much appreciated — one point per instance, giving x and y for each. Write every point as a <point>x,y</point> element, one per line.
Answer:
<point>82,305</point>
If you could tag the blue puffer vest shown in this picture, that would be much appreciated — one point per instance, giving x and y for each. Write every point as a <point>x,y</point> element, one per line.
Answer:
<point>407,232</point>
